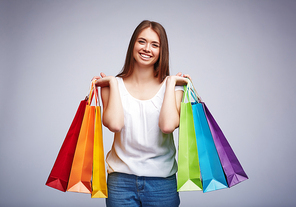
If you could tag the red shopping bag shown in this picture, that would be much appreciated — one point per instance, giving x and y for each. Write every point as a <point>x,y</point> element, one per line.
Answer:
<point>59,175</point>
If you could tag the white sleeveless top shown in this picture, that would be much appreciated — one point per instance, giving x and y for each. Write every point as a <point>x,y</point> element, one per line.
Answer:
<point>141,148</point>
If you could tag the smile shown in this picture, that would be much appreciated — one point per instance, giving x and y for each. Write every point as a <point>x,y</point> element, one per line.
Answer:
<point>145,56</point>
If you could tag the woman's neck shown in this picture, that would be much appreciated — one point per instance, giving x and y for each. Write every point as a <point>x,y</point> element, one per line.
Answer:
<point>142,84</point>
<point>143,74</point>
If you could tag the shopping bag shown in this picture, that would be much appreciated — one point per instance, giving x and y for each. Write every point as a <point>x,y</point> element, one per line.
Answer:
<point>213,177</point>
<point>81,171</point>
<point>189,178</point>
<point>99,185</point>
<point>59,175</point>
<point>212,174</point>
<point>233,170</point>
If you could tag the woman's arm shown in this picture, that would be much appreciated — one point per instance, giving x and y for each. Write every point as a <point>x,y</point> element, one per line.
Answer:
<point>169,116</point>
<point>113,117</point>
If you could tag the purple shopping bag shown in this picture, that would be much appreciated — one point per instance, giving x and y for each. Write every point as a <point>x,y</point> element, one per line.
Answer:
<point>232,168</point>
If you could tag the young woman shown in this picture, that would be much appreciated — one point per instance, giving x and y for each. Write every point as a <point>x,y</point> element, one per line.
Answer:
<point>142,107</point>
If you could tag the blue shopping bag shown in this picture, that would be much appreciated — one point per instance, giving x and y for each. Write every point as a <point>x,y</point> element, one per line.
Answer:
<point>213,177</point>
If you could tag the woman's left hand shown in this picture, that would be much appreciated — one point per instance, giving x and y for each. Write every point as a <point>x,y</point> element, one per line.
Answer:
<point>180,79</point>
<point>169,116</point>
<point>184,75</point>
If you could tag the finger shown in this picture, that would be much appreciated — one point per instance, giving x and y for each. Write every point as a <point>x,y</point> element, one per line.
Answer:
<point>95,78</point>
<point>179,74</point>
<point>103,75</point>
<point>187,76</point>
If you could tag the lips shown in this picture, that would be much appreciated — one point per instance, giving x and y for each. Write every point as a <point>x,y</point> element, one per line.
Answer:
<point>145,56</point>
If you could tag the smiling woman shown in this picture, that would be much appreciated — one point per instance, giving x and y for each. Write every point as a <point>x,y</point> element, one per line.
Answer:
<point>142,107</point>
<point>161,67</point>
<point>146,49</point>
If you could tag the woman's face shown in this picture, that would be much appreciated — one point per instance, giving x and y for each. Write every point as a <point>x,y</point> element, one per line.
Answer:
<point>147,47</point>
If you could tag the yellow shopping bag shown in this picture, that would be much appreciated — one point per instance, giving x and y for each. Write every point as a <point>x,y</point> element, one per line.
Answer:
<point>99,185</point>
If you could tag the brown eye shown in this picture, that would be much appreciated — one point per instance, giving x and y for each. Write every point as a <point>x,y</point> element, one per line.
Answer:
<point>155,45</point>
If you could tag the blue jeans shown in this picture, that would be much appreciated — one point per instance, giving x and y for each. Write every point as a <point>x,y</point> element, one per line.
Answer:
<point>130,190</point>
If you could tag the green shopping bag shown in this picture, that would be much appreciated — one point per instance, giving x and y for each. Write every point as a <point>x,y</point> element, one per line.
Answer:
<point>189,178</point>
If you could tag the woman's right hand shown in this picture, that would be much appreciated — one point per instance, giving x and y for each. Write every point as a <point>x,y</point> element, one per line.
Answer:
<point>113,117</point>
<point>103,80</point>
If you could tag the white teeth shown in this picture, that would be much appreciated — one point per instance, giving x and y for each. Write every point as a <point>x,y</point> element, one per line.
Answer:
<point>145,56</point>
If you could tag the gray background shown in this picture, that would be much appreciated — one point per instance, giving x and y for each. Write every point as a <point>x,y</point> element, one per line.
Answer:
<point>240,55</point>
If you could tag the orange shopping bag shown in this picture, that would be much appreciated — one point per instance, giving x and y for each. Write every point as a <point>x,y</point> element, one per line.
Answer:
<point>81,171</point>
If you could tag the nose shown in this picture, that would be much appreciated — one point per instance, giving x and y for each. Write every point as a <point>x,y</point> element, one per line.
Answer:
<point>147,47</point>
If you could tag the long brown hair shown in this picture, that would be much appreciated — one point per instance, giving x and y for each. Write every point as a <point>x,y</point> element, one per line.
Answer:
<point>161,67</point>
